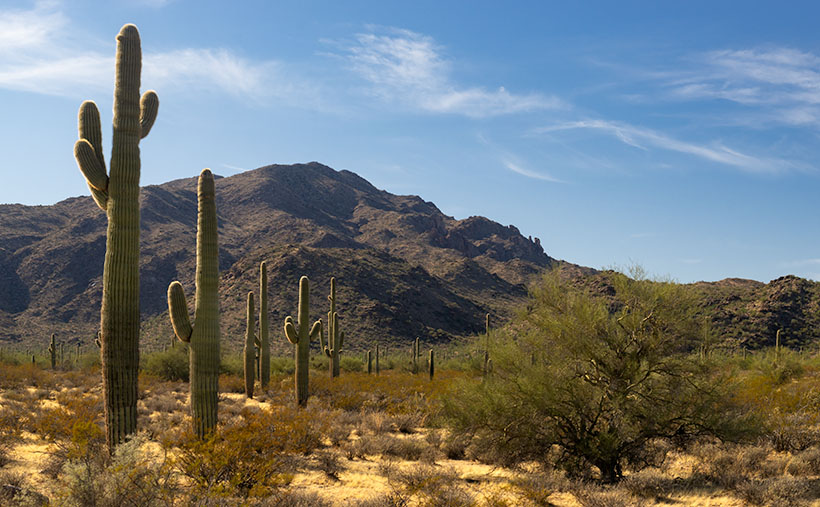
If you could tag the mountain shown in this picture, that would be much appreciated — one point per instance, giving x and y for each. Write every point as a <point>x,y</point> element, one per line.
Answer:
<point>744,313</point>
<point>403,268</point>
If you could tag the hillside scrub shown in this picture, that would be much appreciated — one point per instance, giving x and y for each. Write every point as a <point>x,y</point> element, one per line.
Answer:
<point>584,381</point>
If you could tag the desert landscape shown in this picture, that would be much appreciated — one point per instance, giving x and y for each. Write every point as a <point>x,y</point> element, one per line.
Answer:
<point>293,335</point>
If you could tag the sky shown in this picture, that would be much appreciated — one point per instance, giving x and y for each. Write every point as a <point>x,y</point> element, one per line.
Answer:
<point>678,136</point>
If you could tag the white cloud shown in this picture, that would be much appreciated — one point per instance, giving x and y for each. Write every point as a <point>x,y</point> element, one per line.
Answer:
<point>407,67</point>
<point>516,168</point>
<point>22,30</point>
<point>37,56</point>
<point>641,137</point>
<point>781,84</point>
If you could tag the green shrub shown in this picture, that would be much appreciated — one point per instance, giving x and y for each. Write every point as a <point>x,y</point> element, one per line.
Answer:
<point>171,364</point>
<point>596,377</point>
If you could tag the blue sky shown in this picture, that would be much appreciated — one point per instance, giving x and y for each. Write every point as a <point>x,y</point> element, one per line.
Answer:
<point>682,136</point>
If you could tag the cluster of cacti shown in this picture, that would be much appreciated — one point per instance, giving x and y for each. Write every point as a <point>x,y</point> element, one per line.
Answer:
<point>335,338</point>
<point>52,350</point>
<point>117,193</point>
<point>301,334</point>
<point>263,340</point>
<point>203,335</point>
<point>249,352</point>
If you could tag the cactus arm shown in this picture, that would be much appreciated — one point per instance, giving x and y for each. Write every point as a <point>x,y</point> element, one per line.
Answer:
<point>316,329</point>
<point>88,123</point>
<point>90,166</point>
<point>149,105</point>
<point>178,310</point>
<point>322,346</point>
<point>290,331</point>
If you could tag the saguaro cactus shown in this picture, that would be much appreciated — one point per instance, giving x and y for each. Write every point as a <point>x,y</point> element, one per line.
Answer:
<point>117,193</point>
<point>263,338</point>
<point>300,334</point>
<point>52,349</point>
<point>416,353</point>
<point>335,339</point>
<point>249,352</point>
<point>203,335</point>
<point>431,364</point>
<point>378,366</point>
<point>369,363</point>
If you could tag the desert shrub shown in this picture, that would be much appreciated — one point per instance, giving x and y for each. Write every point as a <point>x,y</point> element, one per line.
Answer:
<point>232,364</point>
<point>328,463</point>
<point>231,384</point>
<point>806,462</point>
<point>282,365</point>
<point>609,378</point>
<point>648,483</point>
<point>59,422</point>
<point>777,491</point>
<point>15,491</point>
<point>132,476</point>
<point>794,432</point>
<point>428,485</point>
<point>348,363</point>
<point>593,495</point>
<point>536,488</point>
<point>252,456</point>
<point>171,364</point>
<point>296,498</point>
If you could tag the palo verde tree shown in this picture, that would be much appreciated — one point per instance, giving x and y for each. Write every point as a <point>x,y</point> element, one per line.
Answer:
<point>587,380</point>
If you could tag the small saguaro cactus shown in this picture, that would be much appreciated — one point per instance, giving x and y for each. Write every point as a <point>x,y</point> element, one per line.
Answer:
<point>487,324</point>
<point>203,334</point>
<point>416,355</point>
<point>431,365</point>
<point>117,193</point>
<point>249,352</point>
<point>777,346</point>
<point>335,339</point>
<point>301,334</point>
<point>369,361</point>
<point>378,366</point>
<point>52,349</point>
<point>263,339</point>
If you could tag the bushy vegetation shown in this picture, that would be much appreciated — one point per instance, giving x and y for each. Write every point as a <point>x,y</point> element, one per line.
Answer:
<point>624,373</point>
<point>584,380</point>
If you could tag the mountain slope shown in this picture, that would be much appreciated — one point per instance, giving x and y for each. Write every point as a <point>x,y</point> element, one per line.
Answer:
<point>403,268</point>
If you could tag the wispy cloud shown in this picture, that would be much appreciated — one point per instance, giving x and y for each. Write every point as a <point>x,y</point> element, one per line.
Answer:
<point>517,168</point>
<point>642,138</point>
<point>37,56</point>
<point>408,67</point>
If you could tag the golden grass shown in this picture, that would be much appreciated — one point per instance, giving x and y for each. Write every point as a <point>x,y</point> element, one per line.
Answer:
<point>314,450</point>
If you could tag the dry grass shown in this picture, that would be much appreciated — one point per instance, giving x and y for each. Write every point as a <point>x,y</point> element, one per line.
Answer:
<point>362,440</point>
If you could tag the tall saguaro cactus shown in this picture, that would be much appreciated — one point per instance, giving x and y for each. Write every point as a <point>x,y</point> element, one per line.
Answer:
<point>203,335</point>
<point>335,339</point>
<point>52,349</point>
<point>263,338</point>
<point>300,334</point>
<point>249,351</point>
<point>117,193</point>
